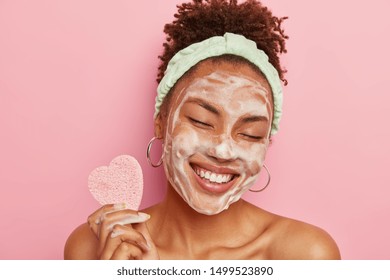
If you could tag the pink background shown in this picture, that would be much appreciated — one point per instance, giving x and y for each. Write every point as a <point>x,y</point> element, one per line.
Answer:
<point>77,84</point>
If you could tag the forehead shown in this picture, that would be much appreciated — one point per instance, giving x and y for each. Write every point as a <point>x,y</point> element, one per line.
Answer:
<point>222,84</point>
<point>230,92</point>
<point>223,79</point>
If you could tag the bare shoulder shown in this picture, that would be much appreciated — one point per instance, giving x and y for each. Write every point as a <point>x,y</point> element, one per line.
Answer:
<point>81,244</point>
<point>298,240</point>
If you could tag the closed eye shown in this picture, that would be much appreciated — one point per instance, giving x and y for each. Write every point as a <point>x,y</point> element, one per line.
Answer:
<point>199,123</point>
<point>252,136</point>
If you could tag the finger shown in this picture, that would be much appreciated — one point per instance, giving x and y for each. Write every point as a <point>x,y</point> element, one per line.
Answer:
<point>95,218</point>
<point>123,217</point>
<point>122,234</point>
<point>127,251</point>
<point>152,253</point>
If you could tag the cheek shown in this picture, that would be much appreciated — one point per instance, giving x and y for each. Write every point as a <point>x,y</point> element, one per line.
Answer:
<point>185,141</point>
<point>254,168</point>
<point>255,158</point>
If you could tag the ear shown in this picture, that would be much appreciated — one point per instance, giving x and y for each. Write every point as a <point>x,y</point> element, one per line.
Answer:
<point>158,127</point>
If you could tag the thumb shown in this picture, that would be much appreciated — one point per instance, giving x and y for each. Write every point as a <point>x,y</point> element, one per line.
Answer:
<point>152,254</point>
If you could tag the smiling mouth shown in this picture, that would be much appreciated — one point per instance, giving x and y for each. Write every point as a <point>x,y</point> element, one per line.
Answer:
<point>213,177</point>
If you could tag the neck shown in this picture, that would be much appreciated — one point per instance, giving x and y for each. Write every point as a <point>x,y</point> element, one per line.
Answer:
<point>179,225</point>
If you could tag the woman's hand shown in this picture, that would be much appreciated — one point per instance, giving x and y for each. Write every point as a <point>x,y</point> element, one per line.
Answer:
<point>122,233</point>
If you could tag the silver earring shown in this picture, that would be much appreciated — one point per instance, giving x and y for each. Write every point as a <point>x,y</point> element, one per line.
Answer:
<point>269,180</point>
<point>148,154</point>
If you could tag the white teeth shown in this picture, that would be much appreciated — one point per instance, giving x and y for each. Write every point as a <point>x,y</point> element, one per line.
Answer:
<point>213,177</point>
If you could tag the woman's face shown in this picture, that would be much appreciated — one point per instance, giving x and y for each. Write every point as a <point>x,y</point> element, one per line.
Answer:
<point>217,134</point>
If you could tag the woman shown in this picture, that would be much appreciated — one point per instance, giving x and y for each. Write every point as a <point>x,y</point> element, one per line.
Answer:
<point>218,103</point>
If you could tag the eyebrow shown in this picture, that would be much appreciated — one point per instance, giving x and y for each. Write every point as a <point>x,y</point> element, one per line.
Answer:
<point>254,119</point>
<point>205,105</point>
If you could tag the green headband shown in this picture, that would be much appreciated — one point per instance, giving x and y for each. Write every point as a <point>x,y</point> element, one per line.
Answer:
<point>230,43</point>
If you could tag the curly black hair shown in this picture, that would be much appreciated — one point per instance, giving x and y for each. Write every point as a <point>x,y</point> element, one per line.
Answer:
<point>201,19</point>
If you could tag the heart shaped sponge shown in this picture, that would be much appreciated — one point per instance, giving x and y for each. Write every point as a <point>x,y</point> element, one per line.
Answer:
<point>121,181</point>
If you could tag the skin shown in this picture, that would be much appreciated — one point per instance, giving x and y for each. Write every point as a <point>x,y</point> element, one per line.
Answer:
<point>180,228</point>
<point>226,134</point>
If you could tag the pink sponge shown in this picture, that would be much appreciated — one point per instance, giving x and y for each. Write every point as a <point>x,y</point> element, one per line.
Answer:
<point>121,181</point>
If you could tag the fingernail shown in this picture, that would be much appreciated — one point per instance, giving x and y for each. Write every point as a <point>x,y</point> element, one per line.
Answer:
<point>97,221</point>
<point>144,216</point>
<point>117,233</point>
<point>120,206</point>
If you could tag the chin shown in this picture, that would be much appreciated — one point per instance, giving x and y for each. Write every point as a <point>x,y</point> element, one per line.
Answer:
<point>210,211</point>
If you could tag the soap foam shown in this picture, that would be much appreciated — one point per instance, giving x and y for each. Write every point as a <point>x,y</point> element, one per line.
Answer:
<point>230,92</point>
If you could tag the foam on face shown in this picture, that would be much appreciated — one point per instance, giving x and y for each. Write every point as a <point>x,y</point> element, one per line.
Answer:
<point>237,95</point>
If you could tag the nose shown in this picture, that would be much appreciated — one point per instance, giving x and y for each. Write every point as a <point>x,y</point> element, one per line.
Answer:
<point>223,149</point>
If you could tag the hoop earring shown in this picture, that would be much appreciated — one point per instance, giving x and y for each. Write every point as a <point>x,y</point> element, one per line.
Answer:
<point>148,154</point>
<point>269,180</point>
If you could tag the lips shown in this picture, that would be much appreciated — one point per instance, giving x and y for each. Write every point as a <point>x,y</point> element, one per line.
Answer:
<point>211,176</point>
<point>213,179</point>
